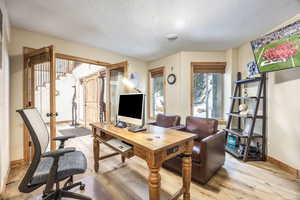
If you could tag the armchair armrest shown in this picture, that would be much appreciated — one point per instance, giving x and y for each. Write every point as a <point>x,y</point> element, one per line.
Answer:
<point>58,152</point>
<point>62,140</point>
<point>212,153</point>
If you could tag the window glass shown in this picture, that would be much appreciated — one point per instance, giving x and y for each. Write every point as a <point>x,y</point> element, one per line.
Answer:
<point>157,95</point>
<point>208,95</point>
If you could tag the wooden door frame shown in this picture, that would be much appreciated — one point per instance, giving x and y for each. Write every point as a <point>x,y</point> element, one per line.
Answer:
<point>26,137</point>
<point>121,65</point>
<point>29,52</point>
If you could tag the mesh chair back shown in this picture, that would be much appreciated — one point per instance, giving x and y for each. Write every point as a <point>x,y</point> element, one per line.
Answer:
<point>40,138</point>
<point>38,126</point>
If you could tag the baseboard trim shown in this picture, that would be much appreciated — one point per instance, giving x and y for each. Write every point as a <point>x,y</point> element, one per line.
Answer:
<point>2,189</point>
<point>17,163</point>
<point>285,167</point>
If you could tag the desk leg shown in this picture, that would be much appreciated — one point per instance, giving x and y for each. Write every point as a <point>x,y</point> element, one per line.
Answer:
<point>187,171</point>
<point>96,154</point>
<point>154,183</point>
<point>123,158</point>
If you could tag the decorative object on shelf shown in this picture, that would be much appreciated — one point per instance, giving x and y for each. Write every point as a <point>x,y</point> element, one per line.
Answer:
<point>243,108</point>
<point>171,77</point>
<point>252,69</point>
<point>232,141</point>
<point>245,92</point>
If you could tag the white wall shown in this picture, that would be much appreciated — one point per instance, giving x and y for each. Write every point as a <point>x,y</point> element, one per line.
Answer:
<point>21,38</point>
<point>4,102</point>
<point>178,96</point>
<point>283,109</point>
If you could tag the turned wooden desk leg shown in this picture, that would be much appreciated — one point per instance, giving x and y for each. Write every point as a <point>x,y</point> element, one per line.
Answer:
<point>187,171</point>
<point>154,184</point>
<point>96,152</point>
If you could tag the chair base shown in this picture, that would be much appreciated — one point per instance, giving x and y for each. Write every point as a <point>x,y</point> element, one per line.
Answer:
<point>60,193</point>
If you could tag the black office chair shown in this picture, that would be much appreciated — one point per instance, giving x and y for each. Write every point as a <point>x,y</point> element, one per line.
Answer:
<point>49,168</point>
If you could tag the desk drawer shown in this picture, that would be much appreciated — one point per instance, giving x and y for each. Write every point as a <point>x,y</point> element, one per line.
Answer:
<point>139,152</point>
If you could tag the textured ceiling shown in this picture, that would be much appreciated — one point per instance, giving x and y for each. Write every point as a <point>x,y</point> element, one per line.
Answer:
<point>138,27</point>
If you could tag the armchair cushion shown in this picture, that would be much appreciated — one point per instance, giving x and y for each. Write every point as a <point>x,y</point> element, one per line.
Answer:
<point>202,126</point>
<point>167,121</point>
<point>69,164</point>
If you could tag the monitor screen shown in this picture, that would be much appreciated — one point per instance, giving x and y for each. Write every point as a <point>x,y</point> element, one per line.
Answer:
<point>131,105</point>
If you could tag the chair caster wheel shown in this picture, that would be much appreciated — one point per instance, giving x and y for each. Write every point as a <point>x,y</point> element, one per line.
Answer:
<point>82,187</point>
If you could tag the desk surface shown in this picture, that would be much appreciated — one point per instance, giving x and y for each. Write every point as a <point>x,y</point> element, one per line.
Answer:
<point>155,138</point>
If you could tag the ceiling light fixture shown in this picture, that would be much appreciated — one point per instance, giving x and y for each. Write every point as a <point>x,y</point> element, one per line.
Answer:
<point>172,36</point>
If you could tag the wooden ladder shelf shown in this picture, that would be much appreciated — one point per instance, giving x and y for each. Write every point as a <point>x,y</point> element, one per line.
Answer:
<point>245,137</point>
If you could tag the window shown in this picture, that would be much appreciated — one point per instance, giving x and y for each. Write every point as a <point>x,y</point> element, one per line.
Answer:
<point>156,97</point>
<point>207,90</point>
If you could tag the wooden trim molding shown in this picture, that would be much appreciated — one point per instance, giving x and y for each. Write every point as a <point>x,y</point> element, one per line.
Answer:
<point>79,59</point>
<point>283,166</point>
<point>151,74</point>
<point>17,163</point>
<point>208,67</point>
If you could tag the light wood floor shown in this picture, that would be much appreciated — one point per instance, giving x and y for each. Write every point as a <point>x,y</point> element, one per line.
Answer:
<point>236,180</point>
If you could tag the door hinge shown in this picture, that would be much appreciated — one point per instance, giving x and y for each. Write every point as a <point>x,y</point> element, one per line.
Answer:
<point>29,143</point>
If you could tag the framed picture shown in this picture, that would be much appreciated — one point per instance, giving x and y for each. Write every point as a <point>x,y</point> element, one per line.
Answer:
<point>278,50</point>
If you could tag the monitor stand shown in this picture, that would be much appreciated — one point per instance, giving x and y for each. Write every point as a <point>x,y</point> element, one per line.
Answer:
<point>137,129</point>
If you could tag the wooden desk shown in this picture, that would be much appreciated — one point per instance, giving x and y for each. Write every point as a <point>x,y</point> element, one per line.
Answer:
<point>155,146</point>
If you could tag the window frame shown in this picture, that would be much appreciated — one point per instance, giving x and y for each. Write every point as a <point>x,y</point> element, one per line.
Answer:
<point>149,101</point>
<point>205,67</point>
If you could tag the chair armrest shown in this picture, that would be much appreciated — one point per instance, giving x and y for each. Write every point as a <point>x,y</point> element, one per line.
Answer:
<point>62,140</point>
<point>58,152</point>
<point>179,128</point>
<point>212,153</point>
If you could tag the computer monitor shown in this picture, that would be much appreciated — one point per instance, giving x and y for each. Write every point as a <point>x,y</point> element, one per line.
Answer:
<point>131,108</point>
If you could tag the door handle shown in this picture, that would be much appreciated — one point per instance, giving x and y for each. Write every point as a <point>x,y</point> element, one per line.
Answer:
<point>52,114</point>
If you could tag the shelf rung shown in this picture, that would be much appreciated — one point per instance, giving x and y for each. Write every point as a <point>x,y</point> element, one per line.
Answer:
<point>248,80</point>
<point>240,133</point>
<point>242,116</point>
<point>252,97</point>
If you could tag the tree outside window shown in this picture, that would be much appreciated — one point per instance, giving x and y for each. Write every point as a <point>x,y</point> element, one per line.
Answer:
<point>208,95</point>
<point>158,95</point>
<point>156,98</point>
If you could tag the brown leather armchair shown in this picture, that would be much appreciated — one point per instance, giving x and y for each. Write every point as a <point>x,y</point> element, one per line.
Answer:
<point>166,121</point>
<point>208,151</point>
